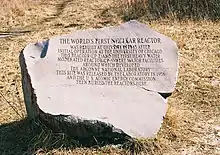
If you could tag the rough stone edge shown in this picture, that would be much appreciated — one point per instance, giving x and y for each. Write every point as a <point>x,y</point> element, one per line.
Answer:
<point>28,91</point>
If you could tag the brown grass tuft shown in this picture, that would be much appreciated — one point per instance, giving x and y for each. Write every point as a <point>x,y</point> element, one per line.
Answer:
<point>179,9</point>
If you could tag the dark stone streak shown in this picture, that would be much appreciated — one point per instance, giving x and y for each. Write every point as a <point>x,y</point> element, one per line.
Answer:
<point>165,95</point>
<point>45,48</point>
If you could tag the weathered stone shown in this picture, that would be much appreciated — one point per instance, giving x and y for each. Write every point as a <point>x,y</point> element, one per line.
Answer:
<point>115,78</point>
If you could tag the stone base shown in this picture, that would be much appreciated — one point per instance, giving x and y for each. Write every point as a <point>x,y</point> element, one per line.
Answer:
<point>87,132</point>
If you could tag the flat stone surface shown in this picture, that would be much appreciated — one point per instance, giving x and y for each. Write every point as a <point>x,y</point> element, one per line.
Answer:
<point>113,75</point>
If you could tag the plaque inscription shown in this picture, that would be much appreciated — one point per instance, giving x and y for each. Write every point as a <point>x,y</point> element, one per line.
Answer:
<point>110,61</point>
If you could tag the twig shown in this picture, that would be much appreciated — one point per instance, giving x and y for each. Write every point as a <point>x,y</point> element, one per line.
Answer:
<point>10,105</point>
<point>13,32</point>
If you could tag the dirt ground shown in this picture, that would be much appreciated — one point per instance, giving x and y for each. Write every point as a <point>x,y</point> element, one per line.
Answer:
<point>192,122</point>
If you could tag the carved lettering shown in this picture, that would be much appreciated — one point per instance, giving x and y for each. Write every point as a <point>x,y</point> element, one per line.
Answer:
<point>110,61</point>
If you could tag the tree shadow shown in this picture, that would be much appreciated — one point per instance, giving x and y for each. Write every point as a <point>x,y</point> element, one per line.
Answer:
<point>26,137</point>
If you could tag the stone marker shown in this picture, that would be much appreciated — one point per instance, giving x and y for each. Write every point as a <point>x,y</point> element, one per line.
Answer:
<point>106,82</point>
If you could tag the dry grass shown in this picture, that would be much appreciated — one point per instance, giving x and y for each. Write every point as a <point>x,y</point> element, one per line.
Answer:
<point>14,7</point>
<point>192,124</point>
